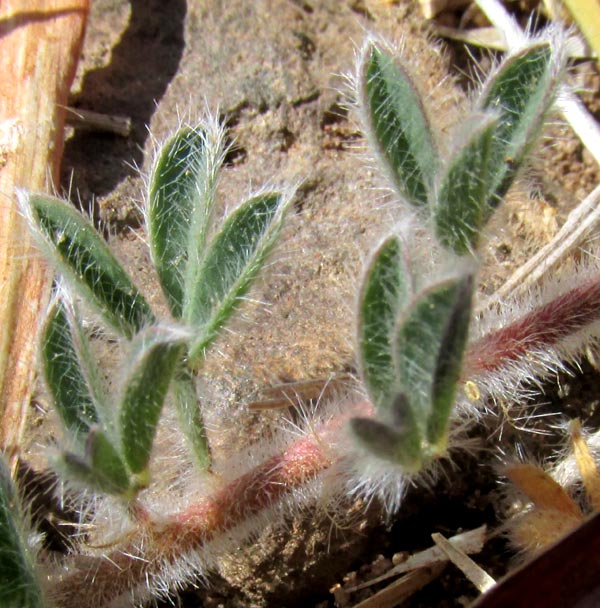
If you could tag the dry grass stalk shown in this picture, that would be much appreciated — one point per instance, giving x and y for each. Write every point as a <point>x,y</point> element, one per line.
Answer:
<point>40,43</point>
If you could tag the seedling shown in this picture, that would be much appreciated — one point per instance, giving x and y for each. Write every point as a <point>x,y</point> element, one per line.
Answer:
<point>412,332</point>
<point>205,267</point>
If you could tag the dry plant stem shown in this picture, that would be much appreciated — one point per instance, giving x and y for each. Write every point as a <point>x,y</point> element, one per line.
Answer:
<point>492,38</point>
<point>403,588</point>
<point>95,121</point>
<point>477,575</point>
<point>574,232</point>
<point>40,43</point>
<point>587,465</point>
<point>543,491</point>
<point>308,457</point>
<point>487,37</point>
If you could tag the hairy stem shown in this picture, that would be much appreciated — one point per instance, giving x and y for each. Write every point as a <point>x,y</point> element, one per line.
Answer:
<point>193,528</point>
<point>164,543</point>
<point>546,326</point>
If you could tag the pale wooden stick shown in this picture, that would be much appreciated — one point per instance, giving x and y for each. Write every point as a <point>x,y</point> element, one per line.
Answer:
<point>477,575</point>
<point>40,43</point>
<point>471,541</point>
<point>586,14</point>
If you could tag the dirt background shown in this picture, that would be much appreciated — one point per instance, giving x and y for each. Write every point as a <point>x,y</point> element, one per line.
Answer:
<point>273,70</point>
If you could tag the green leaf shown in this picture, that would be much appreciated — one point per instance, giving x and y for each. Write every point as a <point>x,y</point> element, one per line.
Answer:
<point>399,442</point>
<point>234,258</point>
<point>400,129</point>
<point>461,206</point>
<point>156,353</point>
<point>430,341</point>
<point>106,464</point>
<point>190,418</point>
<point>19,586</point>
<point>65,377</point>
<point>449,362</point>
<point>101,469</point>
<point>385,290</point>
<point>520,93</point>
<point>180,206</point>
<point>77,469</point>
<point>80,254</point>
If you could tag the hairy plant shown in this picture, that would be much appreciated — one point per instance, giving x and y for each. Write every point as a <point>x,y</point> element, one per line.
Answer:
<point>426,367</point>
<point>203,276</point>
<point>414,325</point>
<point>19,583</point>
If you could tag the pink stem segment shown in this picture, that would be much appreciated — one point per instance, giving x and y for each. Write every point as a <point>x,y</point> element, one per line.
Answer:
<point>547,326</point>
<point>163,543</point>
<point>190,530</point>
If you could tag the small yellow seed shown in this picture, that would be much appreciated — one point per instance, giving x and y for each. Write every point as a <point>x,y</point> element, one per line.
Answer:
<point>472,391</point>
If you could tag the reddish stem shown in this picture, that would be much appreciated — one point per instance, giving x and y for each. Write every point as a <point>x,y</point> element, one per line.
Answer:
<point>544,326</point>
<point>199,524</point>
<point>304,460</point>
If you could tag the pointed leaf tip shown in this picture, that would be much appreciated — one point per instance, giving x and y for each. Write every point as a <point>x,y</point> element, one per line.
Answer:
<point>397,123</point>
<point>521,91</point>
<point>180,206</point>
<point>83,257</point>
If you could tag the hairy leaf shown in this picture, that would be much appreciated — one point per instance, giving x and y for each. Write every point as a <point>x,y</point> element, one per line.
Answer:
<point>65,377</point>
<point>106,463</point>
<point>153,362</point>
<point>429,343</point>
<point>234,258</point>
<point>400,446</point>
<point>400,129</point>
<point>78,469</point>
<point>19,586</point>
<point>398,441</point>
<point>386,287</point>
<point>83,257</point>
<point>520,93</point>
<point>449,361</point>
<point>180,206</point>
<point>461,206</point>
